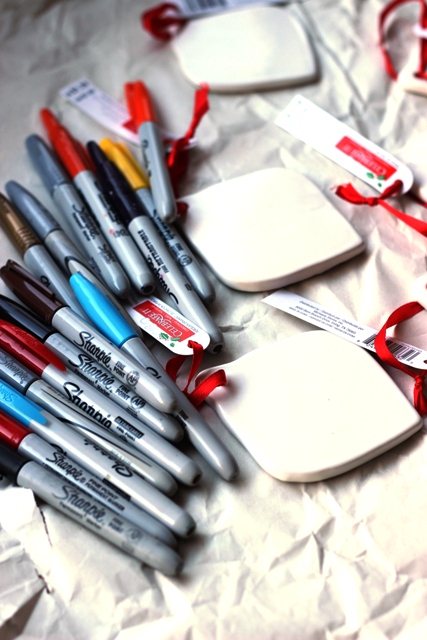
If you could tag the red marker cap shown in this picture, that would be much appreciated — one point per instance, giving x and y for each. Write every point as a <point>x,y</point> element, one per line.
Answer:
<point>66,147</point>
<point>27,349</point>
<point>11,431</point>
<point>139,103</point>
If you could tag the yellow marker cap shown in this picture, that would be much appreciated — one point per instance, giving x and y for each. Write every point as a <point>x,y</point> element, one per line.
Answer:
<point>118,153</point>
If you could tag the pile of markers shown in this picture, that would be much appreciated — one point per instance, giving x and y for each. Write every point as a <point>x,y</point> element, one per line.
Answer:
<point>89,419</point>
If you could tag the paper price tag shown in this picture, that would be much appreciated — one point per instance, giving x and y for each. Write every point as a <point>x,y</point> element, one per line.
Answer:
<point>111,114</point>
<point>351,330</point>
<point>196,8</point>
<point>102,108</point>
<point>343,145</point>
<point>166,325</point>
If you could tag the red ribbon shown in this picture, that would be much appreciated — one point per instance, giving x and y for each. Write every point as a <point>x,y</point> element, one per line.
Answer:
<point>348,192</point>
<point>163,21</point>
<point>203,389</point>
<point>405,312</point>
<point>385,12</point>
<point>178,156</point>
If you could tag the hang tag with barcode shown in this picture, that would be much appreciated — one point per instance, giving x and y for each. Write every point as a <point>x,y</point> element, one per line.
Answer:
<point>196,8</point>
<point>351,330</point>
<point>346,147</point>
<point>166,325</point>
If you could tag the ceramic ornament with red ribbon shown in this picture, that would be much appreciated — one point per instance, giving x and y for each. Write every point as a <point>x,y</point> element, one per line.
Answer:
<point>235,48</point>
<point>312,406</point>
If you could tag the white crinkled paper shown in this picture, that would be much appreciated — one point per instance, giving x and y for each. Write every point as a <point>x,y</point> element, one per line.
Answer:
<point>344,559</point>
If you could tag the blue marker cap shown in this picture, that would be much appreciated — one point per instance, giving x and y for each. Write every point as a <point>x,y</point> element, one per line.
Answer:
<point>46,163</point>
<point>101,311</point>
<point>18,406</point>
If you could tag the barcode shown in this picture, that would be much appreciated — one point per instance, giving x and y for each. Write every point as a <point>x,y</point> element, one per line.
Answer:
<point>197,5</point>
<point>401,351</point>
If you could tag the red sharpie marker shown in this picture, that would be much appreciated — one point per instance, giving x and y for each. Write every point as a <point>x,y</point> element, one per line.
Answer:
<point>153,154</point>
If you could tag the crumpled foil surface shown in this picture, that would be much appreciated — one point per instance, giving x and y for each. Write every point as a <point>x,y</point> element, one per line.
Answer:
<point>343,559</point>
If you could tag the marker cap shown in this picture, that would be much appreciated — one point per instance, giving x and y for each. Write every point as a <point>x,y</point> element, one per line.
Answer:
<point>101,311</point>
<point>27,349</point>
<point>115,186</point>
<point>19,232</point>
<point>30,290</point>
<point>69,151</point>
<point>36,215</point>
<point>118,153</point>
<point>46,164</point>
<point>11,432</point>
<point>18,315</point>
<point>11,462</point>
<point>18,406</point>
<point>139,103</point>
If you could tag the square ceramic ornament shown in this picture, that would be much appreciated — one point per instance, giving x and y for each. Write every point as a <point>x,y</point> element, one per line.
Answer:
<point>267,229</point>
<point>251,49</point>
<point>312,406</point>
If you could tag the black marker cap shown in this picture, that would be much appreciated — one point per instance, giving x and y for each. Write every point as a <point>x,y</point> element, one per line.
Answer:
<point>11,462</point>
<point>18,315</point>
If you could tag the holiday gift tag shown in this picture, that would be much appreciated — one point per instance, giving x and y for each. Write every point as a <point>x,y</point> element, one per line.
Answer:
<point>251,49</point>
<point>312,406</point>
<point>267,229</point>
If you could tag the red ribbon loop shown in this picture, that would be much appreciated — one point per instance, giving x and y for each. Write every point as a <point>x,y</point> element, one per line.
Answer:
<point>178,156</point>
<point>405,312</point>
<point>163,21</point>
<point>348,192</point>
<point>204,388</point>
<point>384,14</point>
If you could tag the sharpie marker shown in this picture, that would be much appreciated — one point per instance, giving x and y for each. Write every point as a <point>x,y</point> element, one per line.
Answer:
<point>29,384</point>
<point>38,298</point>
<point>202,437</point>
<point>88,368</point>
<point>89,512</point>
<point>85,228</point>
<point>118,153</point>
<point>52,457</point>
<point>153,154</point>
<point>35,256</point>
<point>95,460</point>
<point>41,361</point>
<point>80,171</point>
<point>44,225</point>
<point>170,278</point>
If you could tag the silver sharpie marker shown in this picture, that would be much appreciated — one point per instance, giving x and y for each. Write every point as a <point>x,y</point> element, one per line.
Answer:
<point>118,153</point>
<point>84,226</point>
<point>202,437</point>
<point>36,257</point>
<point>28,383</point>
<point>95,460</point>
<point>170,278</point>
<point>153,152</point>
<point>78,166</point>
<point>45,304</point>
<point>89,512</point>
<point>33,354</point>
<point>52,457</point>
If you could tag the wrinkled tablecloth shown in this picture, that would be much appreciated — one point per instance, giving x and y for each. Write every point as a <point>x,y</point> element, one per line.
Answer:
<point>342,559</point>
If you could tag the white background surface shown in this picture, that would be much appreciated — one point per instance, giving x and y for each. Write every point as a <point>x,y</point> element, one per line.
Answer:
<point>342,559</point>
